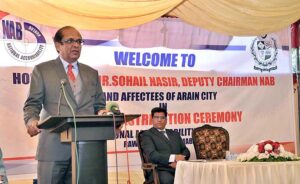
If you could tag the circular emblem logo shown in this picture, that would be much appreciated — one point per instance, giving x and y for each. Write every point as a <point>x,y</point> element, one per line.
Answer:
<point>25,45</point>
<point>264,51</point>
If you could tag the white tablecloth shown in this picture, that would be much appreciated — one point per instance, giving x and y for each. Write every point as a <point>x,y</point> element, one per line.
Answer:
<point>233,172</point>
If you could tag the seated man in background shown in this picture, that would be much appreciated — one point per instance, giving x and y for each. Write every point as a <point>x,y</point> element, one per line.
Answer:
<point>163,147</point>
<point>3,179</point>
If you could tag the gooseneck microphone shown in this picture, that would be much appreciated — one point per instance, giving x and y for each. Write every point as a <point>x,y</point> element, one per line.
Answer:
<point>114,110</point>
<point>113,107</point>
<point>62,84</point>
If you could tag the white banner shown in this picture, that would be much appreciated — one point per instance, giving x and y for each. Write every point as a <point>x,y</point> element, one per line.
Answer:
<point>243,84</point>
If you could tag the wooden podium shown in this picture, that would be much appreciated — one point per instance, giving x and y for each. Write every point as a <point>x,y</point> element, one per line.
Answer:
<point>90,138</point>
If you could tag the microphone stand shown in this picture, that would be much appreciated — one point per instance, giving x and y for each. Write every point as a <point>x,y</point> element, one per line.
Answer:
<point>116,155</point>
<point>60,95</point>
<point>127,155</point>
<point>117,112</point>
<point>63,82</point>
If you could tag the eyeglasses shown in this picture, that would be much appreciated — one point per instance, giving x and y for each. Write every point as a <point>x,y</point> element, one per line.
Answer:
<point>71,41</point>
<point>159,117</point>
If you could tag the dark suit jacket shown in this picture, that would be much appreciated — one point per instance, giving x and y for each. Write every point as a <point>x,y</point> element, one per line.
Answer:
<point>43,100</point>
<point>158,148</point>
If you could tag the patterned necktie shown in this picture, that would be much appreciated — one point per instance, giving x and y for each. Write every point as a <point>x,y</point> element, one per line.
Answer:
<point>70,73</point>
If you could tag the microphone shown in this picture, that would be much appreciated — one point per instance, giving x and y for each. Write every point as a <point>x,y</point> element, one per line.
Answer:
<point>62,85</point>
<point>113,107</point>
<point>63,82</point>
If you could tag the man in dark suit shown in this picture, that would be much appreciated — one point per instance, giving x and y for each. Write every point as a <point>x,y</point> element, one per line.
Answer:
<point>163,147</point>
<point>85,95</point>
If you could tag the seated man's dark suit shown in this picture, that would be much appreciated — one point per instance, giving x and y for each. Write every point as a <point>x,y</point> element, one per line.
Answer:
<point>158,148</point>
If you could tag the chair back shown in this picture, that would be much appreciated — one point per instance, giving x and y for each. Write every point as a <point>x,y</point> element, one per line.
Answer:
<point>149,169</point>
<point>210,142</point>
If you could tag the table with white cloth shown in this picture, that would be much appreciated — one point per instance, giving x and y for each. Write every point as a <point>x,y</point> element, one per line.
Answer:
<point>234,172</point>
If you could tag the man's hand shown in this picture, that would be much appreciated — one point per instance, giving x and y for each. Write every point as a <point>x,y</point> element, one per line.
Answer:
<point>102,112</point>
<point>32,128</point>
<point>179,158</point>
<point>173,165</point>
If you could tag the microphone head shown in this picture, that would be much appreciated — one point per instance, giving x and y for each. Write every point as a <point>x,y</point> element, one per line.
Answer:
<point>113,107</point>
<point>63,81</point>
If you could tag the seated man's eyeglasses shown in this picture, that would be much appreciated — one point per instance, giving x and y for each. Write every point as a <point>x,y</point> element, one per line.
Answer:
<point>159,117</point>
<point>71,41</point>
